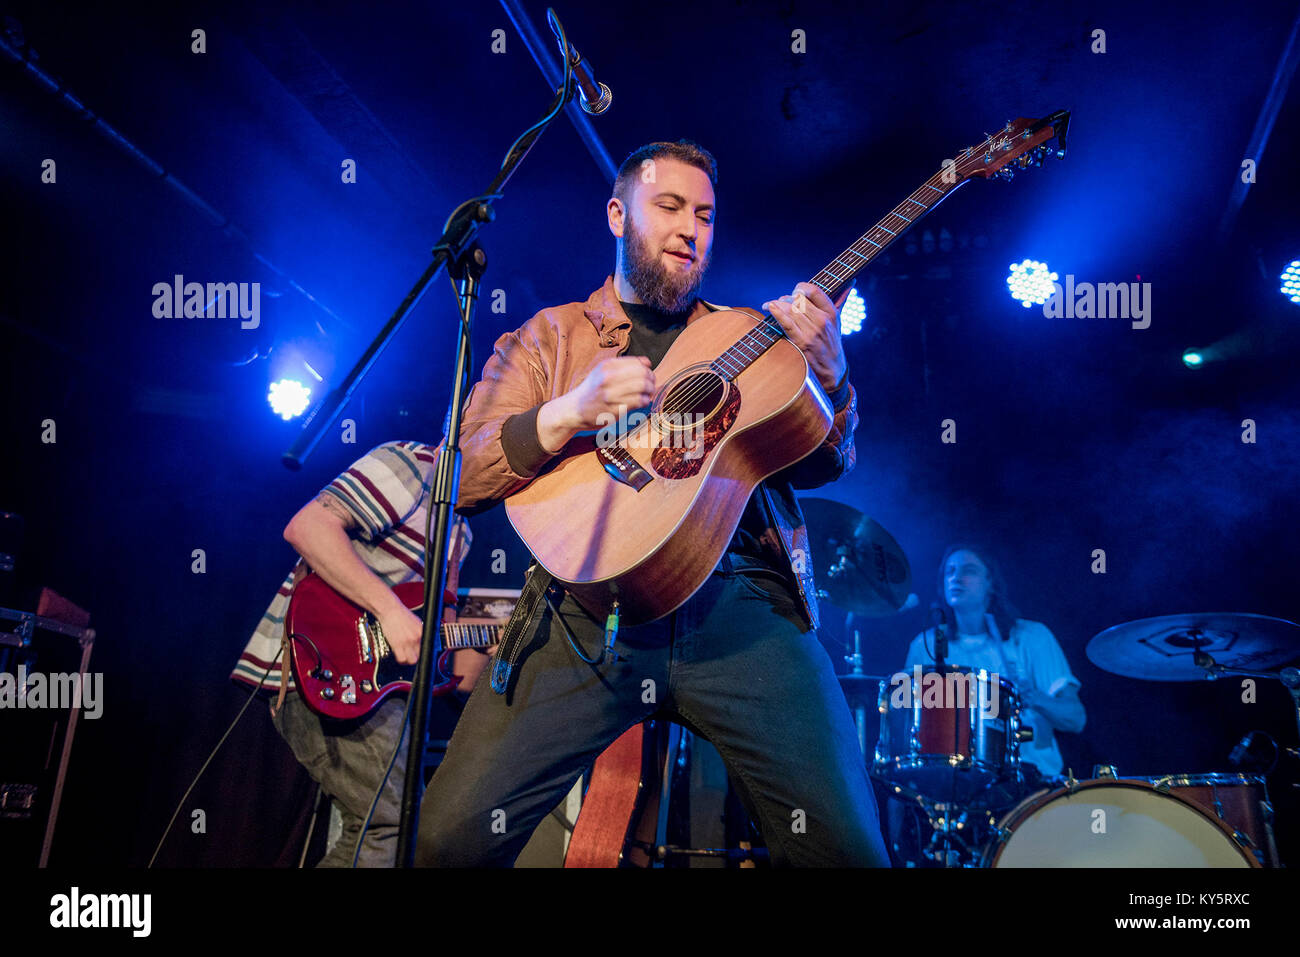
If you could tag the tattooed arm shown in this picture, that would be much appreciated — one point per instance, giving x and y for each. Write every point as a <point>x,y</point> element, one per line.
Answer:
<point>320,533</point>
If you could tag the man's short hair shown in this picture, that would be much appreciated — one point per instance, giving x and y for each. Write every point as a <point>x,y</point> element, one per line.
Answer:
<point>687,151</point>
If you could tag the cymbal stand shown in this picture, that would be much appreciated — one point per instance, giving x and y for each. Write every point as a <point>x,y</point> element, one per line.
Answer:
<point>1289,677</point>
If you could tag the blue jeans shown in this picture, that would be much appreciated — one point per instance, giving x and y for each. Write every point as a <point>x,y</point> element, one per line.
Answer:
<point>735,664</point>
<point>348,760</point>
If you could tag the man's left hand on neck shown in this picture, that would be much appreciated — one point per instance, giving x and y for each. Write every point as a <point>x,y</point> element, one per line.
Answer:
<point>812,322</point>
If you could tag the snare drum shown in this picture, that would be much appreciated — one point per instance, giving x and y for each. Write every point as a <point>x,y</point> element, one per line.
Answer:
<point>1240,801</point>
<point>959,746</point>
<point>1113,823</point>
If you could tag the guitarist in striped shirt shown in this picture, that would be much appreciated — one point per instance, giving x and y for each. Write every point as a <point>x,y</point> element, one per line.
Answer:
<point>363,534</point>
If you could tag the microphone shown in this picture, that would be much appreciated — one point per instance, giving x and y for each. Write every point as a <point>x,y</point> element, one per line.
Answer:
<point>940,619</point>
<point>1241,750</point>
<point>595,96</point>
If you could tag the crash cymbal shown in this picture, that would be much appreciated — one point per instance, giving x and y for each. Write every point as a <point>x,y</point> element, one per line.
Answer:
<point>1164,648</point>
<point>859,565</point>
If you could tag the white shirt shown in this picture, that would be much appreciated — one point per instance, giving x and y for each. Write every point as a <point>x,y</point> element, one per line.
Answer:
<point>1032,658</point>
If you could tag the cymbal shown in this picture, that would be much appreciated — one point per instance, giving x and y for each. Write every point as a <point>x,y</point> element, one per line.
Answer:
<point>861,686</point>
<point>859,564</point>
<point>1164,648</point>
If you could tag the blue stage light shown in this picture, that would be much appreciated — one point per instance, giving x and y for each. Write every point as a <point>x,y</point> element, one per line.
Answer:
<point>1031,282</point>
<point>1192,358</point>
<point>853,314</point>
<point>288,398</point>
<point>1291,281</point>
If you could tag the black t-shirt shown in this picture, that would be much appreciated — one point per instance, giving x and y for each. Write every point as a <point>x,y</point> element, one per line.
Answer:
<point>653,333</point>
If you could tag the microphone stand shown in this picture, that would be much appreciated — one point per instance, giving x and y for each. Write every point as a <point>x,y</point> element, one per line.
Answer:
<point>465,261</point>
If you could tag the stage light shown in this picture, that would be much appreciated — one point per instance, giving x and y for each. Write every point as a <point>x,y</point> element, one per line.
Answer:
<point>852,314</point>
<point>288,398</point>
<point>1192,358</point>
<point>1291,281</point>
<point>1031,282</point>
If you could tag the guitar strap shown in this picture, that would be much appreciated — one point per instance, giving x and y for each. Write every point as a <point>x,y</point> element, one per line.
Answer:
<point>286,667</point>
<point>521,626</point>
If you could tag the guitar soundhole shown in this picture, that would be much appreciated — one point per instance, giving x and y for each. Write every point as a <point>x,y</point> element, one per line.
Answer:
<point>694,416</point>
<point>693,400</point>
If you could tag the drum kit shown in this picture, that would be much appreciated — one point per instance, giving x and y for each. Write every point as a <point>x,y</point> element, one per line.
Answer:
<point>953,762</point>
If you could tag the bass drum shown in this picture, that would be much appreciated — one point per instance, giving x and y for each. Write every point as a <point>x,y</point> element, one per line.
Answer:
<point>1240,801</point>
<point>1112,823</point>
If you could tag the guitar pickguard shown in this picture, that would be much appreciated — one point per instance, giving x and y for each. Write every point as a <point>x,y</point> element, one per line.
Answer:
<point>688,458</point>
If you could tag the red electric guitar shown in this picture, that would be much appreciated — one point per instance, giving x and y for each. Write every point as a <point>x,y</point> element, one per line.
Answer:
<point>341,661</point>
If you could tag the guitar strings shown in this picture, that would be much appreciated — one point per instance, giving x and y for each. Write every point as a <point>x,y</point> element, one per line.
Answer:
<point>692,394</point>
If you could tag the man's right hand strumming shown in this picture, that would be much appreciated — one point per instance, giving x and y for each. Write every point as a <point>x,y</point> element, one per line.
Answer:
<point>614,387</point>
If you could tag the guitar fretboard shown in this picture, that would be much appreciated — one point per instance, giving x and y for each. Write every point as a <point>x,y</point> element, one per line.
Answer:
<point>458,634</point>
<point>843,268</point>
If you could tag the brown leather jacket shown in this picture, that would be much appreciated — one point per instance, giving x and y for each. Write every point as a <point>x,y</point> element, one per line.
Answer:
<point>550,355</point>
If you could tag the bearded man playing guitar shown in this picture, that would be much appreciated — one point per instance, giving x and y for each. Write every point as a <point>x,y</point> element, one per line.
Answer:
<point>739,662</point>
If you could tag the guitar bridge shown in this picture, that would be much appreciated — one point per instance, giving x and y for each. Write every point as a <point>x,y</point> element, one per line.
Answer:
<point>620,465</point>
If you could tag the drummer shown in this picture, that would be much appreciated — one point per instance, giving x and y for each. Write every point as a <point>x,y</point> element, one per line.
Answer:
<point>984,631</point>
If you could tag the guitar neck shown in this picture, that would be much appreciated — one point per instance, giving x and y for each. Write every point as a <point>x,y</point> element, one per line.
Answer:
<point>842,270</point>
<point>458,634</point>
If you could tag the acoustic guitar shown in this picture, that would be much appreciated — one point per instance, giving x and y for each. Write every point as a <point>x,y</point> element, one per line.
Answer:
<point>658,504</point>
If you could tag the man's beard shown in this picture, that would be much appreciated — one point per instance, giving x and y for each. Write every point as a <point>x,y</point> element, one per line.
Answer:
<point>656,285</point>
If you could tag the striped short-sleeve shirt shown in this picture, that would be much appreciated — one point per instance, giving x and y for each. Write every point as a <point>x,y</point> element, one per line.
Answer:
<point>387,492</point>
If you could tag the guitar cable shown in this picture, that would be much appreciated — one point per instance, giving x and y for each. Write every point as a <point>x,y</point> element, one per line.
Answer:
<point>611,632</point>
<point>185,797</point>
<point>383,782</point>
<point>252,694</point>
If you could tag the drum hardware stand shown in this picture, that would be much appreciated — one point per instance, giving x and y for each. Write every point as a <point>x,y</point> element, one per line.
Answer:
<point>1289,677</point>
<point>946,846</point>
<point>854,661</point>
<point>745,854</point>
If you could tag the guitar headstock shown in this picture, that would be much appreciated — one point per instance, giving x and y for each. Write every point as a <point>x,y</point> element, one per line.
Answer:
<point>1018,145</point>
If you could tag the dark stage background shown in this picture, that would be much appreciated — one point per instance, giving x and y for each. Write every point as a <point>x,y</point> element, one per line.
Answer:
<point>1072,434</point>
